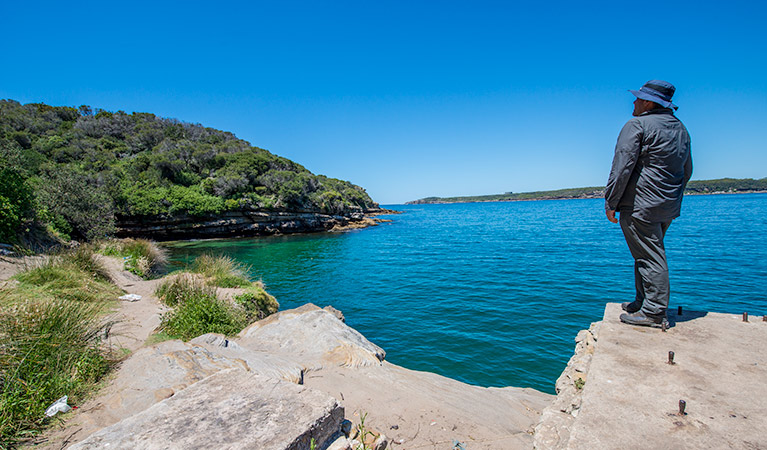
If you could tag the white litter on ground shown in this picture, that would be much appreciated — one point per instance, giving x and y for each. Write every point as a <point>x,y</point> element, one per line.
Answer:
<point>130,298</point>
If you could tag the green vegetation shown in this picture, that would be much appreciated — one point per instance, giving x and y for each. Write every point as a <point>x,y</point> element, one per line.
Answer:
<point>15,203</point>
<point>177,287</point>
<point>82,171</point>
<point>222,271</point>
<point>198,312</point>
<point>256,302</point>
<point>726,185</point>
<point>141,256</point>
<point>729,185</point>
<point>70,276</point>
<point>363,435</point>
<point>51,323</point>
<point>197,309</point>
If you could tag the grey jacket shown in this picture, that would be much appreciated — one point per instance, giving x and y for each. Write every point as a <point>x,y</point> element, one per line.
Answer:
<point>651,167</point>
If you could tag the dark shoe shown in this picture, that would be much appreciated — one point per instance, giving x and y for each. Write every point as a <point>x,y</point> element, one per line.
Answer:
<point>640,319</point>
<point>631,307</point>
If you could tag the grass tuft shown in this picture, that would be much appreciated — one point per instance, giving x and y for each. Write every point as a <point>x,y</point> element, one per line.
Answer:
<point>222,270</point>
<point>177,287</point>
<point>199,311</point>
<point>74,275</point>
<point>142,256</point>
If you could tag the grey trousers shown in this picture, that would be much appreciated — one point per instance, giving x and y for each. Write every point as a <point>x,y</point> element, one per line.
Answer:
<point>645,241</point>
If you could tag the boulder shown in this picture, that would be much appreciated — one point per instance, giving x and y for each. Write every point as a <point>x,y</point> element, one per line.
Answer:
<point>312,336</point>
<point>232,409</point>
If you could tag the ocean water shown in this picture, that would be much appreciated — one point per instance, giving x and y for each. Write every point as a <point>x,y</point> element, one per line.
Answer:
<point>493,294</point>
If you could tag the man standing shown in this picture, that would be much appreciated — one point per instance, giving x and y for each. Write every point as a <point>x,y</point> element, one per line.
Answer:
<point>650,170</point>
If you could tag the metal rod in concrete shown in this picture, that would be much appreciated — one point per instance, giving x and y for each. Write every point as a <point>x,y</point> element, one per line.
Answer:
<point>663,326</point>
<point>745,317</point>
<point>682,406</point>
<point>671,358</point>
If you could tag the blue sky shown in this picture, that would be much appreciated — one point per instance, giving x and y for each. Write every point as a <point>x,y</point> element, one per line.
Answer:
<point>410,99</point>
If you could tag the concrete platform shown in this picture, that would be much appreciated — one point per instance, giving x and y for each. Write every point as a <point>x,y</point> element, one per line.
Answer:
<point>631,397</point>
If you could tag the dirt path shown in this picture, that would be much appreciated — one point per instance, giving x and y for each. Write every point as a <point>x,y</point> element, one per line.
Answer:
<point>135,321</point>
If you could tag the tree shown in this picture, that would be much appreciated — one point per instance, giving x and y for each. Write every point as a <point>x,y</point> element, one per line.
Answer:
<point>15,203</point>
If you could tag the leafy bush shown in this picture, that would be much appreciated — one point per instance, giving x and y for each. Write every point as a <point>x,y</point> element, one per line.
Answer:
<point>15,203</point>
<point>256,303</point>
<point>74,203</point>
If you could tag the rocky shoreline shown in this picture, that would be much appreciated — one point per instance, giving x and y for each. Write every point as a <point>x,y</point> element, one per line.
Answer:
<point>297,376</point>
<point>303,379</point>
<point>243,223</point>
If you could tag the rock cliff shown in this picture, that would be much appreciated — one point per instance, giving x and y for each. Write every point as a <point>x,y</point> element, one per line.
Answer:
<point>239,223</point>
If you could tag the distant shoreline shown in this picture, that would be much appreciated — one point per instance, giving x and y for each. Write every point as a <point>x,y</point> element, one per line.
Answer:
<point>583,197</point>
<point>696,187</point>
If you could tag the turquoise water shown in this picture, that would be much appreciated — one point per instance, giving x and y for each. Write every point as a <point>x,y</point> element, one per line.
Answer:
<point>494,293</point>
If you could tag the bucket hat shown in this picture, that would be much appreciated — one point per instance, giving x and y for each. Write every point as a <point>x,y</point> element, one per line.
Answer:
<point>657,91</point>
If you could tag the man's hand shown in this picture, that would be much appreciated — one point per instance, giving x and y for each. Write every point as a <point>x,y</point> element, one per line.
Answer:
<point>611,215</point>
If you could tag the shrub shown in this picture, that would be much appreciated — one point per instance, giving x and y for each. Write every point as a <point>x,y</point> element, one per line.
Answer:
<point>256,302</point>
<point>15,203</point>
<point>50,349</point>
<point>71,199</point>
<point>85,259</point>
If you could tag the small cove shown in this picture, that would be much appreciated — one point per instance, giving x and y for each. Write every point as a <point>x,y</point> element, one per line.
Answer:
<point>494,293</point>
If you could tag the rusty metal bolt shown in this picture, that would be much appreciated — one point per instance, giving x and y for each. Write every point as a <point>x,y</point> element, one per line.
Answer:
<point>745,317</point>
<point>671,358</point>
<point>682,406</point>
<point>764,318</point>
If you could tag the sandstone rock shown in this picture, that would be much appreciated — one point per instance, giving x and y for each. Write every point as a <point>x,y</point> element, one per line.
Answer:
<point>215,340</point>
<point>232,224</point>
<point>312,336</point>
<point>144,377</point>
<point>553,431</point>
<point>233,410</point>
<point>413,399</point>
<point>335,312</point>
<point>265,363</point>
